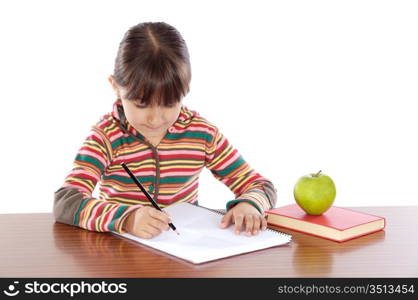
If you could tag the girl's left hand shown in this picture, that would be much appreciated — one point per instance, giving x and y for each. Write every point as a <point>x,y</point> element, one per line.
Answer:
<point>244,213</point>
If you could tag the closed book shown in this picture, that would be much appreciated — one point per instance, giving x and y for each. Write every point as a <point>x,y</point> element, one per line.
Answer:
<point>336,224</point>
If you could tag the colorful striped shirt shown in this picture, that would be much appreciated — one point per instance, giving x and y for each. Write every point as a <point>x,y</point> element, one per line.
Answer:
<point>169,171</point>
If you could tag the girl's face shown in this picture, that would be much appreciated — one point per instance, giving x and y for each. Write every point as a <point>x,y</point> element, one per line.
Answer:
<point>151,121</point>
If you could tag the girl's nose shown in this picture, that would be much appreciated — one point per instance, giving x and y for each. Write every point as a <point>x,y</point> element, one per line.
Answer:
<point>155,118</point>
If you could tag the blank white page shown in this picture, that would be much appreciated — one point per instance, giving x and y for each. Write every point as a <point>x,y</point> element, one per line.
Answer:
<point>202,240</point>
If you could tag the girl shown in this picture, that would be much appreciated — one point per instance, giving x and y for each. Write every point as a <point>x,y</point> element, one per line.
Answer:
<point>164,143</point>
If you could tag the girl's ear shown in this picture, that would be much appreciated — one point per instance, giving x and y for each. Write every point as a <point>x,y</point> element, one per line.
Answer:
<point>114,86</point>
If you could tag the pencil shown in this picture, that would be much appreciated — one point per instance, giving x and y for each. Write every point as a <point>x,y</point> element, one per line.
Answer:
<point>146,194</point>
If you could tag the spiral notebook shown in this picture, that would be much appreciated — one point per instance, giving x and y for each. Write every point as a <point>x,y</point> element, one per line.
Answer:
<point>202,240</point>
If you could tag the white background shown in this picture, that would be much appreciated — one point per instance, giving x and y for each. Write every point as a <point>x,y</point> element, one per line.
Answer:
<point>296,86</point>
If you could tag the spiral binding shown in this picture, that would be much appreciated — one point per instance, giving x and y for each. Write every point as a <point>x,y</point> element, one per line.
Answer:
<point>223,211</point>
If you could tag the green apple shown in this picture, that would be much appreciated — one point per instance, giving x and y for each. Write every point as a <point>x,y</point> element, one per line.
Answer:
<point>315,193</point>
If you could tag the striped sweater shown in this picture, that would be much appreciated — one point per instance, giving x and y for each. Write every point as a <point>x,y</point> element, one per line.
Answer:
<point>169,171</point>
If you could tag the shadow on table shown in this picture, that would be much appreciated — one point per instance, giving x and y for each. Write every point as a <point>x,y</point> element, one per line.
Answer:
<point>95,252</point>
<point>313,255</point>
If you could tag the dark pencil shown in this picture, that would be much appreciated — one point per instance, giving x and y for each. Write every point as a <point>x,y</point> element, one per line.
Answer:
<point>146,194</point>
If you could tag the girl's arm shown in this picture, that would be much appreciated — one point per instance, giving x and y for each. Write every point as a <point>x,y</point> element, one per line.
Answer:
<point>74,204</point>
<point>228,166</point>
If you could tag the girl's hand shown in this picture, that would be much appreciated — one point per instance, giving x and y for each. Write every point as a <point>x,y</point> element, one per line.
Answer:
<point>146,222</point>
<point>244,213</point>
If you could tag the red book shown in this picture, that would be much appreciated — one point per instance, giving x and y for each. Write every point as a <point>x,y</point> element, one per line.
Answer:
<point>336,224</point>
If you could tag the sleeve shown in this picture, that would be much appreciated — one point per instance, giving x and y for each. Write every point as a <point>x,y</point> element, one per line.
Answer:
<point>73,201</point>
<point>229,167</point>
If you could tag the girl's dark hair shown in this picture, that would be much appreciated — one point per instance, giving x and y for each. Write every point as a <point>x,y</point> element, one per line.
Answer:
<point>153,64</point>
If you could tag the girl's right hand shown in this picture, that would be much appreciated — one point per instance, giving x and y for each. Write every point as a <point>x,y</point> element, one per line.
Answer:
<point>146,222</point>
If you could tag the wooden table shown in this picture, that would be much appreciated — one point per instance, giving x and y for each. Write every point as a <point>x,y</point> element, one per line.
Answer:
<point>33,245</point>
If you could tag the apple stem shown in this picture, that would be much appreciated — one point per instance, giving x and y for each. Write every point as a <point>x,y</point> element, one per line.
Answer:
<point>317,174</point>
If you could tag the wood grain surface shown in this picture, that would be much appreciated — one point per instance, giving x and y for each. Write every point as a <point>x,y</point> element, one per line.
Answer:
<point>33,245</point>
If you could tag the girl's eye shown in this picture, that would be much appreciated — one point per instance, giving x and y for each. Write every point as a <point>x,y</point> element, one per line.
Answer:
<point>142,106</point>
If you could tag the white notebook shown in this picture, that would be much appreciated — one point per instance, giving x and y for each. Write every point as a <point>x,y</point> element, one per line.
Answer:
<point>202,240</point>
